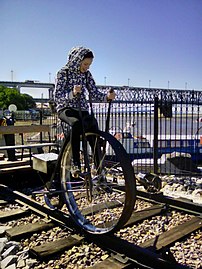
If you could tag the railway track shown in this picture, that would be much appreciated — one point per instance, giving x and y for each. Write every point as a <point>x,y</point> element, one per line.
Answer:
<point>156,231</point>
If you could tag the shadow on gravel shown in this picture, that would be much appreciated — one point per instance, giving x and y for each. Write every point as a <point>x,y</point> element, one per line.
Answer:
<point>22,179</point>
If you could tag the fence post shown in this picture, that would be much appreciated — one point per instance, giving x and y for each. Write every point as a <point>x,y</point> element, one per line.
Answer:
<point>155,141</point>
<point>41,123</point>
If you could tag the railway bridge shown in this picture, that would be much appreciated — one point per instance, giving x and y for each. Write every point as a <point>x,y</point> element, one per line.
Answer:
<point>125,93</point>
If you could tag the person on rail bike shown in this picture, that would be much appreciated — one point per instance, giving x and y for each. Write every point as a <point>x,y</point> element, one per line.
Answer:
<point>74,82</point>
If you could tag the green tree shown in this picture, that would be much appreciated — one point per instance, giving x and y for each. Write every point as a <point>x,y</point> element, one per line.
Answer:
<point>29,101</point>
<point>3,97</point>
<point>13,96</point>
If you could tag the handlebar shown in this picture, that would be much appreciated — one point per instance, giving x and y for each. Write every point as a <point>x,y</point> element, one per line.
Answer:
<point>108,113</point>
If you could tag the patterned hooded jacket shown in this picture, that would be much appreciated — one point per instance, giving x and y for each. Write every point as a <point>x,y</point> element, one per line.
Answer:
<point>69,76</point>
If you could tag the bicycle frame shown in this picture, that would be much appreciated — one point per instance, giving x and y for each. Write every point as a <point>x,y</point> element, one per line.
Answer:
<point>101,196</point>
<point>54,180</point>
<point>86,159</point>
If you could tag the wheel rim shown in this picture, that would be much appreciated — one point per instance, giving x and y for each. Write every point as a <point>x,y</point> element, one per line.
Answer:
<point>111,188</point>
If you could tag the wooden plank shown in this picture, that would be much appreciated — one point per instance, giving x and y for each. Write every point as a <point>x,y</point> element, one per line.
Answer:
<point>140,215</point>
<point>28,146</point>
<point>144,214</point>
<point>59,245</point>
<point>14,213</point>
<point>12,129</point>
<point>7,167</point>
<point>169,237</point>
<point>30,228</point>
<point>102,206</point>
<point>14,169</point>
<point>109,263</point>
<point>7,164</point>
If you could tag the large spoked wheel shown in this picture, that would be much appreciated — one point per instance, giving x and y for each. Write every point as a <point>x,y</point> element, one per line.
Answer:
<point>102,197</point>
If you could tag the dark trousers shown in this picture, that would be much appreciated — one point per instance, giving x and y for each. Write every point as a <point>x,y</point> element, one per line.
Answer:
<point>10,141</point>
<point>72,118</point>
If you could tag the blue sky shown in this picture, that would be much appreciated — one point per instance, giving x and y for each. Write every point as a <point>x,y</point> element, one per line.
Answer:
<point>134,41</point>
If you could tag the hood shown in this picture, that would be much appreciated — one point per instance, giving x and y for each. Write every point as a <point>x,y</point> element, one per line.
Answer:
<point>75,56</point>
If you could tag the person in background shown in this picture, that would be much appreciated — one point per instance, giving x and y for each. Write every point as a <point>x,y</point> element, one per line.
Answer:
<point>8,119</point>
<point>74,84</point>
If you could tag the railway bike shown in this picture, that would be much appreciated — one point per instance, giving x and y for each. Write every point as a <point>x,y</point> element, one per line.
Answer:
<point>101,197</point>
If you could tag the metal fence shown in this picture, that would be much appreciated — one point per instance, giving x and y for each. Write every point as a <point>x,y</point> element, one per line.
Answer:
<point>160,129</point>
<point>169,120</point>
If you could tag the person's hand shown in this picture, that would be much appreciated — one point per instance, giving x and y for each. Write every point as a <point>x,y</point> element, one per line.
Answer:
<point>76,89</point>
<point>111,95</point>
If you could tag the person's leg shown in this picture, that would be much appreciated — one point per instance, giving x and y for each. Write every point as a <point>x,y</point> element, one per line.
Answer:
<point>76,132</point>
<point>71,117</point>
<point>91,125</point>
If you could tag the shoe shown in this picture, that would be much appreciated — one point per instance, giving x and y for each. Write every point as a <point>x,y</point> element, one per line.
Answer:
<point>75,171</point>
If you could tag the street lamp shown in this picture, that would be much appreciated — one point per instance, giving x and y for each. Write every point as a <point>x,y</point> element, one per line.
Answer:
<point>12,75</point>
<point>49,77</point>
<point>105,81</point>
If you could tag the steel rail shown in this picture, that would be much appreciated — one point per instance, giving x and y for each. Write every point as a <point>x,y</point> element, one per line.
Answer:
<point>133,253</point>
<point>177,203</point>
<point>54,214</point>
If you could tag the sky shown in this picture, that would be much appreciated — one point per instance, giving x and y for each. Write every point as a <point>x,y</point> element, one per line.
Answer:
<point>140,43</point>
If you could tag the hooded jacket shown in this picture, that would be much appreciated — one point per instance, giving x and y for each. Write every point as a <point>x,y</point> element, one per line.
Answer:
<point>69,76</point>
